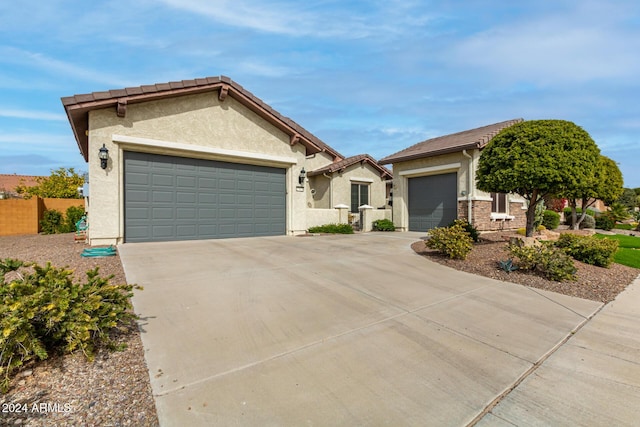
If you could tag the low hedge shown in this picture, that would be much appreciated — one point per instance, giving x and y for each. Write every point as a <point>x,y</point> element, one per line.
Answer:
<point>588,249</point>
<point>332,229</point>
<point>550,219</point>
<point>453,241</point>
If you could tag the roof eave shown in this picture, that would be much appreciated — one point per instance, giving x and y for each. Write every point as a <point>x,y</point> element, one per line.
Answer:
<point>416,156</point>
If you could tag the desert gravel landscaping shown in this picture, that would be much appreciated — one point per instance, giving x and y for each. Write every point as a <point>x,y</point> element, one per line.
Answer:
<point>593,283</point>
<point>113,390</point>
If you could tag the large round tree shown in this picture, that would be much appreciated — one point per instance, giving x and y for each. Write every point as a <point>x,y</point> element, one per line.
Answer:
<point>537,158</point>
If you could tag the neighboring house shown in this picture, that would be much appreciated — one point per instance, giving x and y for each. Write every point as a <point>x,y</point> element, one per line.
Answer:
<point>434,182</point>
<point>202,159</point>
<point>9,184</point>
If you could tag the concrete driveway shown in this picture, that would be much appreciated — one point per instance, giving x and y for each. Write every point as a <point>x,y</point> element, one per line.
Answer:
<point>334,330</point>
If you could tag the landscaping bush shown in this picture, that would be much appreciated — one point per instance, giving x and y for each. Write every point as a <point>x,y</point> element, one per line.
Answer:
<point>42,311</point>
<point>588,249</point>
<point>605,222</point>
<point>567,213</point>
<point>452,241</point>
<point>73,215</point>
<point>469,228</point>
<point>52,222</point>
<point>332,229</point>
<point>551,219</point>
<point>384,225</point>
<point>549,261</point>
<point>588,222</point>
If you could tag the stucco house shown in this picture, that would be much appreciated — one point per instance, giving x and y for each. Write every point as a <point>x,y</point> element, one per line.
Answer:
<point>434,183</point>
<point>205,158</point>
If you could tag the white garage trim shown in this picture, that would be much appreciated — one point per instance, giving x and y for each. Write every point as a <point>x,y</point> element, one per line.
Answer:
<point>450,167</point>
<point>136,143</point>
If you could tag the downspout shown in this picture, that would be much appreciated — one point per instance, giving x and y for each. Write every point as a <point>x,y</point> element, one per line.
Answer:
<point>469,181</point>
<point>330,189</point>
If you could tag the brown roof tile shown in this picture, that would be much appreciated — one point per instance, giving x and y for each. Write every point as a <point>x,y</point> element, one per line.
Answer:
<point>468,139</point>
<point>345,163</point>
<point>8,183</point>
<point>78,107</point>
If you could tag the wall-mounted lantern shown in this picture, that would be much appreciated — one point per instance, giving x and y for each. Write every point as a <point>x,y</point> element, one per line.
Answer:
<point>103,155</point>
<point>302,177</point>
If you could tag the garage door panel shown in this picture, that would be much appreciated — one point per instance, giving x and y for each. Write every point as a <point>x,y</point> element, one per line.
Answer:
<point>432,201</point>
<point>175,198</point>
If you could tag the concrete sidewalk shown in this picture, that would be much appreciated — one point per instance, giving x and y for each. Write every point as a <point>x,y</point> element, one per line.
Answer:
<point>592,380</point>
<point>340,330</point>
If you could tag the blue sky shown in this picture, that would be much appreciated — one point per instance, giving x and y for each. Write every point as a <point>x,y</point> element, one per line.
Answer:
<point>364,76</point>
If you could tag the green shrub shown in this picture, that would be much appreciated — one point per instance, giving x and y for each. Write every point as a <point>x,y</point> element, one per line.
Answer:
<point>588,222</point>
<point>332,229</point>
<point>539,214</point>
<point>384,225</point>
<point>73,215</point>
<point>469,228</point>
<point>567,213</point>
<point>52,222</point>
<point>589,249</point>
<point>550,262</point>
<point>42,311</point>
<point>452,241</point>
<point>551,219</point>
<point>605,221</point>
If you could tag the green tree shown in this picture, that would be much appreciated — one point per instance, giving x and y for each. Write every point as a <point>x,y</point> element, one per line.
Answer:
<point>605,184</point>
<point>63,183</point>
<point>535,159</point>
<point>628,198</point>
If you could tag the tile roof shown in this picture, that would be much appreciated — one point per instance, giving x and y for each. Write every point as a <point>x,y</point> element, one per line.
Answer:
<point>78,107</point>
<point>8,183</point>
<point>468,139</point>
<point>345,163</point>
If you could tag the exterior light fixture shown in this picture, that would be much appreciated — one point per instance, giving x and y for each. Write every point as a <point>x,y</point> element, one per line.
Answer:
<point>103,155</point>
<point>303,175</point>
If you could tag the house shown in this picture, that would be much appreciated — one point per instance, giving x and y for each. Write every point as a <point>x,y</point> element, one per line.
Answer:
<point>434,182</point>
<point>10,182</point>
<point>204,159</point>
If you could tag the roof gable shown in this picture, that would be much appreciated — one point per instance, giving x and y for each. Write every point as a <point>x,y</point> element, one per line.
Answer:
<point>476,138</point>
<point>77,108</point>
<point>345,163</point>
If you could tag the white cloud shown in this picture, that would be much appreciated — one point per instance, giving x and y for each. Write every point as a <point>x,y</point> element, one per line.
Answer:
<point>320,19</point>
<point>577,46</point>
<point>47,64</point>
<point>31,114</point>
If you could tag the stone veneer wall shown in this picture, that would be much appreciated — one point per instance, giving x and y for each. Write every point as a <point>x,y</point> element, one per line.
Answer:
<point>481,216</point>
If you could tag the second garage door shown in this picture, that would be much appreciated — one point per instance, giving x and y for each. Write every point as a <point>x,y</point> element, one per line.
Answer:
<point>178,198</point>
<point>432,201</point>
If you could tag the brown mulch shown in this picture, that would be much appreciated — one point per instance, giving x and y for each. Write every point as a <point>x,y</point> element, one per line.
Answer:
<point>113,390</point>
<point>593,283</point>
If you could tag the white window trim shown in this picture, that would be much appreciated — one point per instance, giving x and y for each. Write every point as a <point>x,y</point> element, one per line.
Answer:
<point>364,180</point>
<point>221,153</point>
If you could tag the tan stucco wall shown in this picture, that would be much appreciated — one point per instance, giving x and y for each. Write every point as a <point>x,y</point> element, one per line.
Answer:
<point>359,173</point>
<point>198,120</point>
<point>466,189</point>
<point>400,181</point>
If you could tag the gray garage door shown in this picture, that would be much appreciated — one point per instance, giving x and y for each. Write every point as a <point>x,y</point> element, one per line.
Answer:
<point>177,198</point>
<point>433,201</point>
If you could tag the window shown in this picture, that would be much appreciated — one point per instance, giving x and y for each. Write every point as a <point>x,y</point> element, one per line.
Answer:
<point>499,203</point>
<point>359,196</point>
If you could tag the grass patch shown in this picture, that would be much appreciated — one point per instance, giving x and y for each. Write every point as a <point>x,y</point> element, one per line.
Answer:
<point>629,250</point>
<point>624,227</point>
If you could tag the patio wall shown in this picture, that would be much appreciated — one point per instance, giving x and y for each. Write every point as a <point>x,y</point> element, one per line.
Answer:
<point>19,216</point>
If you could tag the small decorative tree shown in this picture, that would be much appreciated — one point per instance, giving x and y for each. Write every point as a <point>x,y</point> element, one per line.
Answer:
<point>605,184</point>
<point>63,183</point>
<point>535,159</point>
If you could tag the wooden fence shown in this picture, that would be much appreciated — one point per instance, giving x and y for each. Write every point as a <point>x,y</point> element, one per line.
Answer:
<point>19,216</point>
